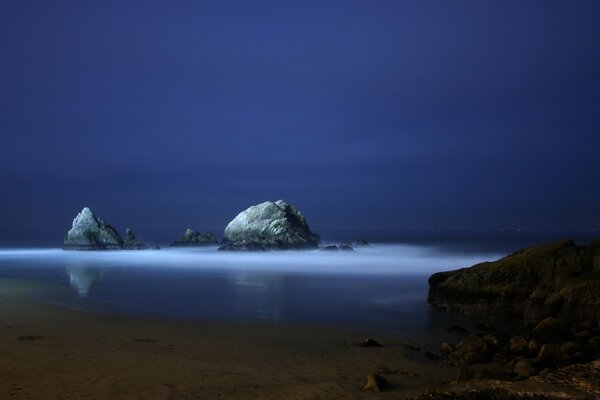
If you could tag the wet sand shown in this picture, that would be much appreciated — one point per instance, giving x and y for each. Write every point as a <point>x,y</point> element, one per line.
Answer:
<point>48,352</point>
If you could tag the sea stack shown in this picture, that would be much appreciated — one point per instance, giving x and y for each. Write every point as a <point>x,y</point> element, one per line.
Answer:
<point>269,226</point>
<point>192,238</point>
<point>91,233</point>
<point>131,242</point>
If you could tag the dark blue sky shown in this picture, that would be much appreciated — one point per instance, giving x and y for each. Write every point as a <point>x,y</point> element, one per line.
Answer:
<point>366,115</point>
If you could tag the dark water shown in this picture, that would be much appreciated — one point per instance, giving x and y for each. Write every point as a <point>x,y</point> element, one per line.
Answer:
<point>381,288</point>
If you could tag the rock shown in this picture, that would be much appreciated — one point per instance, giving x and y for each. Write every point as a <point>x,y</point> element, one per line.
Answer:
<point>552,355</point>
<point>344,247</point>
<point>91,233</point>
<point>361,242</point>
<point>192,238</point>
<point>368,342</point>
<point>471,350</point>
<point>518,345</point>
<point>247,245</point>
<point>554,280</point>
<point>594,344</point>
<point>553,302</point>
<point>533,347</point>
<point>269,225</point>
<point>491,340</point>
<point>571,348</point>
<point>446,348</point>
<point>549,330</point>
<point>375,383</point>
<point>131,242</point>
<point>524,369</point>
<point>500,358</point>
<point>331,247</point>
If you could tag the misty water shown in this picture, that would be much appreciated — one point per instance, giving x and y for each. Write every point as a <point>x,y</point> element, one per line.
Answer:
<point>378,288</point>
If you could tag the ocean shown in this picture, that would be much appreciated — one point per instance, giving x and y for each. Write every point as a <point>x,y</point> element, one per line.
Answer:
<point>379,288</point>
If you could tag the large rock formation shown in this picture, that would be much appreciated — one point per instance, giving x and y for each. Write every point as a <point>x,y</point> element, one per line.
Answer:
<point>91,233</point>
<point>560,280</point>
<point>131,242</point>
<point>269,225</point>
<point>195,239</point>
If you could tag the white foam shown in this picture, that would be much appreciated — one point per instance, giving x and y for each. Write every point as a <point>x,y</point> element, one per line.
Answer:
<point>394,259</point>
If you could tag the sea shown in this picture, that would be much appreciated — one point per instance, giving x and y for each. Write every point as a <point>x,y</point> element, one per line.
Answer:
<point>380,288</point>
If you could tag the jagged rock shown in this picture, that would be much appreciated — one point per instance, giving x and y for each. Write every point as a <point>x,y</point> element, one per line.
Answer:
<point>558,280</point>
<point>375,383</point>
<point>471,350</point>
<point>269,225</point>
<point>131,242</point>
<point>345,247</point>
<point>192,238</point>
<point>91,233</point>
<point>331,247</point>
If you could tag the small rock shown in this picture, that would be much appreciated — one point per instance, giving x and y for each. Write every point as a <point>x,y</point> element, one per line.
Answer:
<point>368,342</point>
<point>518,345</point>
<point>375,383</point>
<point>491,340</point>
<point>131,242</point>
<point>331,247</point>
<point>192,238</point>
<point>553,302</point>
<point>533,347</point>
<point>552,355</point>
<point>524,369</point>
<point>571,348</point>
<point>500,358</point>
<point>471,350</point>
<point>549,330</point>
<point>446,348</point>
<point>594,344</point>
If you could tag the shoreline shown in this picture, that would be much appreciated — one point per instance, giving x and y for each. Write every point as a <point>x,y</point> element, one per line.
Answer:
<point>53,352</point>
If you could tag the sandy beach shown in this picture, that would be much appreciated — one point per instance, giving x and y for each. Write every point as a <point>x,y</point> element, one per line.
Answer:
<point>48,352</point>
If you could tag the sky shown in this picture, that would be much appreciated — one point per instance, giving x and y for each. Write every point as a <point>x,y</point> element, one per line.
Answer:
<point>364,114</point>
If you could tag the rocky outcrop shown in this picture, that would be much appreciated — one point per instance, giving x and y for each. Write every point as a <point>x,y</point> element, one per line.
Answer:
<point>560,280</point>
<point>131,242</point>
<point>192,238</point>
<point>91,233</point>
<point>553,289</point>
<point>267,226</point>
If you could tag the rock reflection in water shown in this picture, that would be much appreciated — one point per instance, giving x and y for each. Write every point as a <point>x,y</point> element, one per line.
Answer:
<point>261,293</point>
<point>83,278</point>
